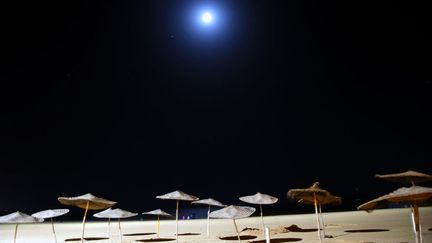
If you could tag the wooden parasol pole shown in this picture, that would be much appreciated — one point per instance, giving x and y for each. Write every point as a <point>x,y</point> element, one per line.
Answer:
<point>52,225</point>
<point>208,221</point>
<point>235,225</point>
<point>177,207</point>
<point>416,223</point>
<point>83,223</point>
<point>15,234</point>
<point>317,218</point>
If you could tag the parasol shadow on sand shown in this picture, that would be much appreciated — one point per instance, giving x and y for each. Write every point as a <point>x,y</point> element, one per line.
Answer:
<point>115,214</point>
<point>18,218</point>
<point>210,202</point>
<point>233,212</point>
<point>50,214</point>
<point>156,240</point>
<point>86,202</point>
<point>178,196</point>
<point>406,195</point>
<point>86,239</point>
<point>278,240</point>
<point>260,199</point>
<point>158,213</point>
<point>316,196</point>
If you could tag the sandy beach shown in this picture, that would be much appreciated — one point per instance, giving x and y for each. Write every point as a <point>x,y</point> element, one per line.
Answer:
<point>384,225</point>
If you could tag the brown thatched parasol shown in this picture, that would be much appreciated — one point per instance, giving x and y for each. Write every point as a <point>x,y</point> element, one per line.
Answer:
<point>87,202</point>
<point>407,195</point>
<point>316,196</point>
<point>408,177</point>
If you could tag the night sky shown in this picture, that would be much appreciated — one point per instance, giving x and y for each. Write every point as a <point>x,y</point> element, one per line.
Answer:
<point>133,99</point>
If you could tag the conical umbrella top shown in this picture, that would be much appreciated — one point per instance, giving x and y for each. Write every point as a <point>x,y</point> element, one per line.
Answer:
<point>19,218</point>
<point>412,194</point>
<point>408,177</point>
<point>50,213</point>
<point>233,212</point>
<point>209,201</point>
<point>158,212</point>
<point>178,195</point>
<point>94,203</point>
<point>311,193</point>
<point>259,198</point>
<point>330,199</point>
<point>114,214</point>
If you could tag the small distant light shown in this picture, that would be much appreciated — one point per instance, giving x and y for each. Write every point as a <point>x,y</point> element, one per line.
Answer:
<point>207,17</point>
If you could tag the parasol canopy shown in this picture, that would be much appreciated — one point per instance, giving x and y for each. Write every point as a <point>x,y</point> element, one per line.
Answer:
<point>178,195</point>
<point>87,201</point>
<point>233,212</point>
<point>114,214</point>
<point>158,212</point>
<point>406,195</point>
<point>50,213</point>
<point>259,198</point>
<point>210,202</point>
<point>19,218</point>
<point>408,177</point>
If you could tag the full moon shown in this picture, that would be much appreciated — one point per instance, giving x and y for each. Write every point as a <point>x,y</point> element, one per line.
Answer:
<point>207,17</point>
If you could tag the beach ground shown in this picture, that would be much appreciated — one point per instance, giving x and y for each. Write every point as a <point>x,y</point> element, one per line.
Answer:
<point>378,226</point>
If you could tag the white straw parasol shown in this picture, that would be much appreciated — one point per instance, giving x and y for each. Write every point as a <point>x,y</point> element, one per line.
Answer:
<point>210,202</point>
<point>158,213</point>
<point>50,214</point>
<point>233,212</point>
<point>177,195</point>
<point>260,198</point>
<point>115,214</point>
<point>18,218</point>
